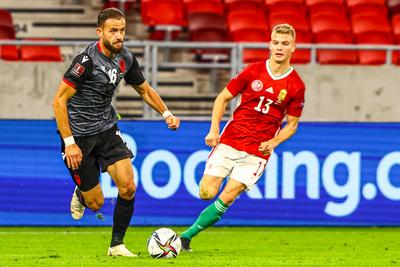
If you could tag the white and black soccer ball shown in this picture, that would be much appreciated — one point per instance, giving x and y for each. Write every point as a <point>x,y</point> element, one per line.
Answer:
<point>164,243</point>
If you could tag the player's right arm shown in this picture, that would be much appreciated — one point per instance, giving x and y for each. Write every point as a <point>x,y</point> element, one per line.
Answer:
<point>73,153</point>
<point>218,111</point>
<point>232,89</point>
<point>79,71</point>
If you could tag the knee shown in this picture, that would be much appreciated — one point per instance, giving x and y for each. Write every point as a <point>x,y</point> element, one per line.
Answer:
<point>128,190</point>
<point>205,194</point>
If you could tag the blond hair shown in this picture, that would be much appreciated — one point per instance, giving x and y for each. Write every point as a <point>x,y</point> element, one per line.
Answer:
<point>285,29</point>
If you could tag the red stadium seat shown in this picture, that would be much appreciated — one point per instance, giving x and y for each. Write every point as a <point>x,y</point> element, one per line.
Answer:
<point>372,29</point>
<point>370,23</point>
<point>322,23</point>
<point>396,27</point>
<point>367,9</point>
<point>394,7</point>
<point>311,3</point>
<point>287,8</point>
<point>202,6</point>
<point>254,55</point>
<point>233,5</point>
<point>163,16</point>
<point>9,52</point>
<point>201,24</point>
<point>205,27</point>
<point>302,56</point>
<point>188,1</point>
<point>396,33</point>
<point>40,52</point>
<point>163,12</point>
<point>252,35</point>
<point>249,26</point>
<point>325,56</point>
<point>241,21</point>
<point>274,2</point>
<point>297,20</point>
<point>373,57</point>
<point>354,3</point>
<point>328,8</point>
<point>124,5</point>
<point>7,30</point>
<point>333,29</point>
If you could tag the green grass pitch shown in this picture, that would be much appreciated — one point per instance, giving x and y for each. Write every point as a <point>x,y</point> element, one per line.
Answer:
<point>216,246</point>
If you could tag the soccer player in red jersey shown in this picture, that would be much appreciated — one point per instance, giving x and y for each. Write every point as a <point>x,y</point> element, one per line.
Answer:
<point>267,91</point>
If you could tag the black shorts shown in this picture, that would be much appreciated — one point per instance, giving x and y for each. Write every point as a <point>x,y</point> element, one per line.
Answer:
<point>99,151</point>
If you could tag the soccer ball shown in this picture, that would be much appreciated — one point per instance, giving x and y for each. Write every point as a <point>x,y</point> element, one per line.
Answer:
<point>164,243</point>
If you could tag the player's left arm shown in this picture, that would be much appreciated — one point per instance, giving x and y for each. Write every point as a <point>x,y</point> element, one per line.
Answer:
<point>135,78</point>
<point>152,98</point>
<point>288,131</point>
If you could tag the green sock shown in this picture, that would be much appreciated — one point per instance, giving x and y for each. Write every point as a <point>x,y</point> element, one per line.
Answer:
<point>207,217</point>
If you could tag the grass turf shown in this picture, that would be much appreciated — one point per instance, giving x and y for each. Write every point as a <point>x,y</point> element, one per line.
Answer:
<point>217,246</point>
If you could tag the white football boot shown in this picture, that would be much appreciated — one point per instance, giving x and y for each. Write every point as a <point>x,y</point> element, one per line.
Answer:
<point>120,250</point>
<point>77,209</point>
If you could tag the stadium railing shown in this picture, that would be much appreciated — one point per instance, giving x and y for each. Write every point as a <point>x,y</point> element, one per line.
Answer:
<point>153,60</point>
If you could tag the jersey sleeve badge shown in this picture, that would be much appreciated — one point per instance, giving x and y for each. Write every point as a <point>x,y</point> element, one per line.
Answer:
<point>77,70</point>
<point>282,95</point>
<point>257,85</point>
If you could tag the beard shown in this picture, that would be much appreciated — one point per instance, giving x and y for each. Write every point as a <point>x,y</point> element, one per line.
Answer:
<point>113,49</point>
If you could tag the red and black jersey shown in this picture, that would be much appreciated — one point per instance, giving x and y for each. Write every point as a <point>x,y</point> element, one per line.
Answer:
<point>95,78</point>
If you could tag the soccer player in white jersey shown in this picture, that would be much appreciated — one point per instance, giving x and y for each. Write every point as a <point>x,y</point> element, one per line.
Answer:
<point>268,92</point>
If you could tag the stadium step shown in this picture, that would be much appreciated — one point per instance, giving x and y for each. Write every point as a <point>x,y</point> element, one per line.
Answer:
<point>30,3</point>
<point>52,19</point>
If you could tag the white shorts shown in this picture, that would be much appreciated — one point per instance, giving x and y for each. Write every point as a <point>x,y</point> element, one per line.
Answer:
<point>225,161</point>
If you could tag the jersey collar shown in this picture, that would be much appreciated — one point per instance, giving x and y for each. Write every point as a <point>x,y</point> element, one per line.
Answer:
<point>101,51</point>
<point>274,77</point>
<point>99,47</point>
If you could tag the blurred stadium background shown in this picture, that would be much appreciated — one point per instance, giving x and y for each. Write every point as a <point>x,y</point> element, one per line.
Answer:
<point>341,169</point>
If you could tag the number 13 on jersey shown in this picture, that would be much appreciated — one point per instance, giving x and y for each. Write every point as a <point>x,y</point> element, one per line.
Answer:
<point>263,106</point>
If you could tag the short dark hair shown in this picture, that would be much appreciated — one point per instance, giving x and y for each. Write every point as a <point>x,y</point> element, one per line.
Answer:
<point>109,13</point>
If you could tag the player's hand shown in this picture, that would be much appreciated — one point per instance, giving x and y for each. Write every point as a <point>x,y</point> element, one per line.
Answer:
<point>267,147</point>
<point>172,122</point>
<point>212,139</point>
<point>74,156</point>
